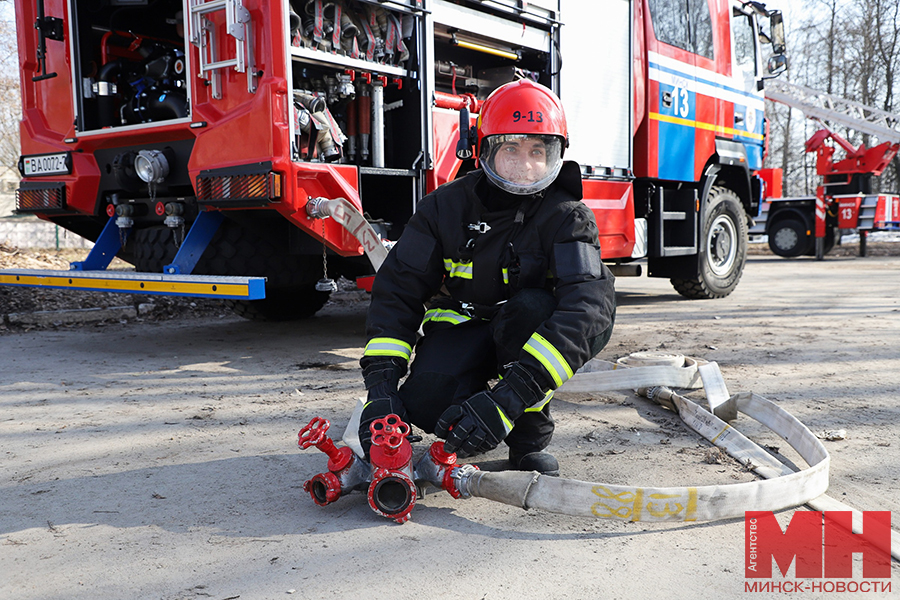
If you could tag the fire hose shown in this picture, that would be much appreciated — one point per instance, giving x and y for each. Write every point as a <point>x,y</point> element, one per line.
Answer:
<point>393,487</point>
<point>348,216</point>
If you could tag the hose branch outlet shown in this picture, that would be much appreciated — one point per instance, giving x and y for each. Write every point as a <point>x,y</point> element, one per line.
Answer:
<point>346,471</point>
<point>436,468</point>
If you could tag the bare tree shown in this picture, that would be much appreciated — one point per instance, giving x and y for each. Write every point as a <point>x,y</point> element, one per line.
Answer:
<point>10,99</point>
<point>850,48</point>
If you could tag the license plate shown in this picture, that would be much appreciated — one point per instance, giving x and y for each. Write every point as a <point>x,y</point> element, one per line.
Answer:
<point>46,164</point>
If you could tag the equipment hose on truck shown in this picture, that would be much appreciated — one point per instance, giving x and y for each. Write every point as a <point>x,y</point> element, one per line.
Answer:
<point>393,484</point>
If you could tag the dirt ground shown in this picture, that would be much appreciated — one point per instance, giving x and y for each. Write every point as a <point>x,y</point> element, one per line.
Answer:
<point>158,459</point>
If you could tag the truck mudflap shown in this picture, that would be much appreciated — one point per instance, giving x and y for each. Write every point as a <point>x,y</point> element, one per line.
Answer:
<point>153,284</point>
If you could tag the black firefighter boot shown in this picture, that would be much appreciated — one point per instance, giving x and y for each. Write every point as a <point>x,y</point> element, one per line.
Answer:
<point>542,462</point>
<point>528,439</point>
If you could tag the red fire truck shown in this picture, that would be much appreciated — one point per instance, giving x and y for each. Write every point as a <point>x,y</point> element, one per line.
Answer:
<point>811,225</point>
<point>208,141</point>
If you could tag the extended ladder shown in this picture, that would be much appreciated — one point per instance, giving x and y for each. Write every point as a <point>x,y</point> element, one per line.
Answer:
<point>834,110</point>
<point>203,35</point>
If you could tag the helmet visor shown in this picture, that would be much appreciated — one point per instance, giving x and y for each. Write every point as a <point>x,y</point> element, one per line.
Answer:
<point>521,163</point>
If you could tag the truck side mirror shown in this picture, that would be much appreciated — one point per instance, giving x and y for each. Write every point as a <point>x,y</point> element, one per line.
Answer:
<point>777,65</point>
<point>776,26</point>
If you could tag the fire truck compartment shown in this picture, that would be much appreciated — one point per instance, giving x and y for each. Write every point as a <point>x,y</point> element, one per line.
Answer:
<point>129,63</point>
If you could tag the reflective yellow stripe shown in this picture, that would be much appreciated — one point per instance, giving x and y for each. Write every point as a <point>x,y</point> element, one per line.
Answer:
<point>540,405</point>
<point>385,346</point>
<point>506,422</point>
<point>549,357</point>
<point>442,315</point>
<point>141,286</point>
<point>458,269</point>
<point>706,126</point>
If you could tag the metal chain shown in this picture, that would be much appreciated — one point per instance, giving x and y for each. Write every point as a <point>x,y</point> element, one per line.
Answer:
<point>325,284</point>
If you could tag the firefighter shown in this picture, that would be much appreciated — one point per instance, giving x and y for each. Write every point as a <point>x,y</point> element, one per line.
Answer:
<point>508,260</point>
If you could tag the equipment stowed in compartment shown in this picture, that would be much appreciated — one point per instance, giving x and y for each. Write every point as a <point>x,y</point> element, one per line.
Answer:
<point>130,61</point>
<point>353,29</point>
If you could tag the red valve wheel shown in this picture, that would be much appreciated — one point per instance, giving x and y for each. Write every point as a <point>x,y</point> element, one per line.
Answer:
<point>389,431</point>
<point>314,432</point>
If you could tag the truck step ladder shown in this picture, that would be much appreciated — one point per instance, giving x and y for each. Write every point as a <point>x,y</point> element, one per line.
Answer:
<point>177,278</point>
<point>203,35</point>
<point>867,210</point>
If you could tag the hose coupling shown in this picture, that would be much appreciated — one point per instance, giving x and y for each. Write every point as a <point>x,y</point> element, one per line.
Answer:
<point>464,478</point>
<point>317,208</point>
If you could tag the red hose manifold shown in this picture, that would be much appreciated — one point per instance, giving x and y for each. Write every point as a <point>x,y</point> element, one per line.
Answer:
<point>391,479</point>
<point>392,492</point>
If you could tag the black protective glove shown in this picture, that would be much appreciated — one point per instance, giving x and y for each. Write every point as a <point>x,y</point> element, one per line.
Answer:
<point>381,375</point>
<point>483,421</point>
<point>475,426</point>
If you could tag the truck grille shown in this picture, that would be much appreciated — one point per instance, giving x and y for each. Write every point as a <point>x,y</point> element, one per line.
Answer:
<point>41,197</point>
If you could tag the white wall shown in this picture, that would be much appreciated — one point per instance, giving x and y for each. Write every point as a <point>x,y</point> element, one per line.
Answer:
<point>30,232</point>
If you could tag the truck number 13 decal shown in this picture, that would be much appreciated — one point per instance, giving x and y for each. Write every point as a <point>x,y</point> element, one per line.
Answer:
<point>682,108</point>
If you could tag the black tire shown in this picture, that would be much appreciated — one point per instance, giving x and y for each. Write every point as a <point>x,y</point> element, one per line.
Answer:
<point>237,250</point>
<point>788,238</point>
<point>723,248</point>
<point>154,248</point>
<point>832,237</point>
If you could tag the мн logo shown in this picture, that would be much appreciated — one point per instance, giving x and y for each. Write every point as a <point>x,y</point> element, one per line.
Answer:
<point>820,544</point>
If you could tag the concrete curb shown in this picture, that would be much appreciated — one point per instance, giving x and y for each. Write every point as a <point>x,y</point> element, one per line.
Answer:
<point>82,315</point>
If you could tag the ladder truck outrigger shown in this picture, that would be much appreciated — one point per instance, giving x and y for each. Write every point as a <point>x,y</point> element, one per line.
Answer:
<point>253,150</point>
<point>810,225</point>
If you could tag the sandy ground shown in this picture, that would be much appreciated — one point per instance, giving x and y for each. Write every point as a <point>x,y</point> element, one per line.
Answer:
<point>158,460</point>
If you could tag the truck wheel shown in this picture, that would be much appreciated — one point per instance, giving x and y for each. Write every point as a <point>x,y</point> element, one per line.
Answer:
<point>237,250</point>
<point>723,248</point>
<point>832,236</point>
<point>788,238</point>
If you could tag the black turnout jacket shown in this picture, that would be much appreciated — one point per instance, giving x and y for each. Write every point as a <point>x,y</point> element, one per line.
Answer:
<point>474,259</point>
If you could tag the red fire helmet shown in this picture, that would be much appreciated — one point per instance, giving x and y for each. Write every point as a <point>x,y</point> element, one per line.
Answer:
<point>523,107</point>
<point>521,137</point>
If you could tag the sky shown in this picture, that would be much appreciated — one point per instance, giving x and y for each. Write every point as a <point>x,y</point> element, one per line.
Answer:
<point>792,11</point>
